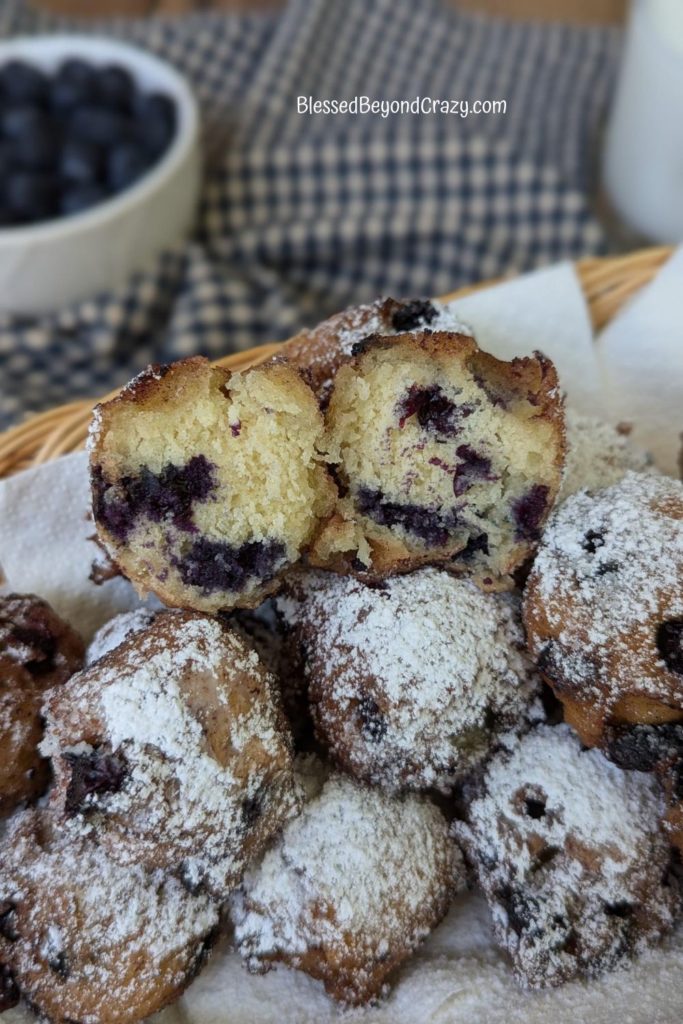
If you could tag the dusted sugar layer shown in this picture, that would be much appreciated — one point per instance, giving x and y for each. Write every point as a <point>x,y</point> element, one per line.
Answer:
<point>568,850</point>
<point>599,455</point>
<point>409,680</point>
<point>170,751</point>
<point>109,636</point>
<point>350,888</point>
<point>207,486</point>
<point>442,454</point>
<point>606,591</point>
<point>85,939</point>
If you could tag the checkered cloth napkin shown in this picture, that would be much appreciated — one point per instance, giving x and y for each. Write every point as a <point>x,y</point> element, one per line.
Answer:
<point>304,214</point>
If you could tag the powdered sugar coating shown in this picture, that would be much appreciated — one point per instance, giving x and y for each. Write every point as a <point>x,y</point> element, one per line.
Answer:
<point>607,576</point>
<point>352,886</point>
<point>201,763</point>
<point>89,939</point>
<point>569,853</point>
<point>409,679</point>
<point>599,455</point>
<point>112,634</point>
<point>447,319</point>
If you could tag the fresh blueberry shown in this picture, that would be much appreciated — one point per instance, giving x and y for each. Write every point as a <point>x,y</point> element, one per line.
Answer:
<point>155,106</point>
<point>81,162</point>
<point>96,124</point>
<point>156,117</point>
<point>6,159</point>
<point>75,69</point>
<point>115,88</point>
<point>72,86</point>
<point>31,196</point>
<point>19,120</point>
<point>36,149</point>
<point>22,83</point>
<point>81,197</point>
<point>125,164</point>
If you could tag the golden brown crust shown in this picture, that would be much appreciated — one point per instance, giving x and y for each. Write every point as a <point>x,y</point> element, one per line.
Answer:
<point>570,855</point>
<point>349,889</point>
<point>151,793</point>
<point>604,594</point>
<point>321,350</point>
<point>352,978</point>
<point>420,705</point>
<point>87,940</point>
<point>38,651</point>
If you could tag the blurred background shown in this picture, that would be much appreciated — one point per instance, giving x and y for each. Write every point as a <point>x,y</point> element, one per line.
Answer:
<point>301,213</point>
<point>571,10</point>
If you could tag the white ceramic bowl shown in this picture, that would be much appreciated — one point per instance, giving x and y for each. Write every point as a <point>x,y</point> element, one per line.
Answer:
<point>46,266</point>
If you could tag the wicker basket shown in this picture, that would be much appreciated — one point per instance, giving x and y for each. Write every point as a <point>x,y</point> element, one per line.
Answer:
<point>607,284</point>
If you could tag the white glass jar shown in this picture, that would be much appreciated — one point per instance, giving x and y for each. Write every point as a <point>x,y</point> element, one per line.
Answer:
<point>643,157</point>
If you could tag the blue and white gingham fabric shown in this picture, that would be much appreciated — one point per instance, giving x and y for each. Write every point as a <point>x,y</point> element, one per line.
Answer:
<point>304,214</point>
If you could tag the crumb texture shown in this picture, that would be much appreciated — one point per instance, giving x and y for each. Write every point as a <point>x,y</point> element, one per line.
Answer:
<point>207,486</point>
<point>442,454</point>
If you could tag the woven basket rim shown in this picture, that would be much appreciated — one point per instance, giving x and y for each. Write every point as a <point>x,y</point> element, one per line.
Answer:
<point>607,282</point>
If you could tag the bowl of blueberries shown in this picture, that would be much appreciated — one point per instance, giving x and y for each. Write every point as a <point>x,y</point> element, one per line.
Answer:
<point>99,166</point>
